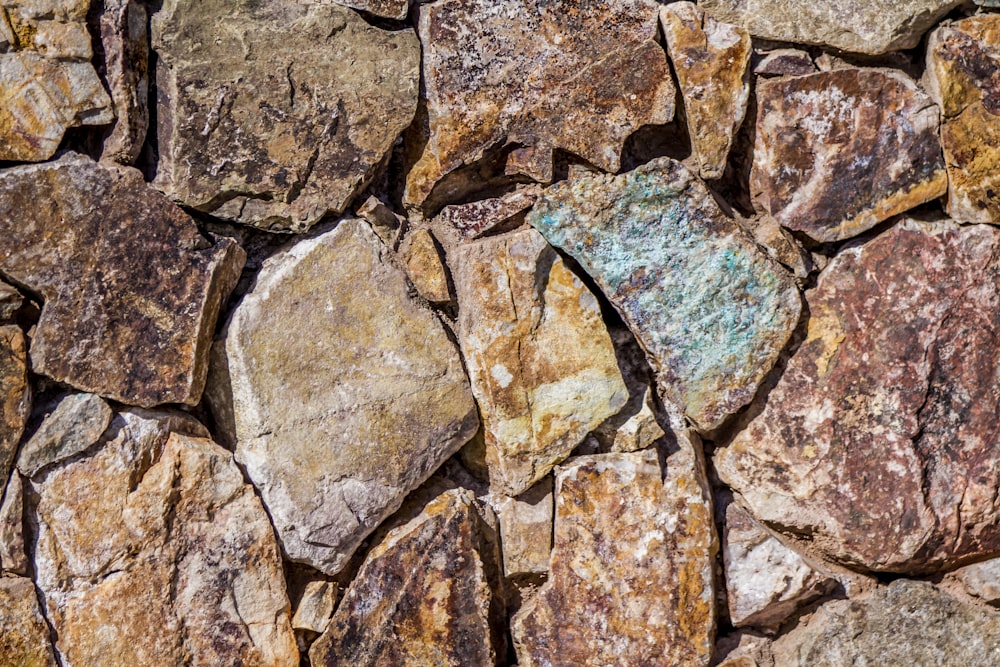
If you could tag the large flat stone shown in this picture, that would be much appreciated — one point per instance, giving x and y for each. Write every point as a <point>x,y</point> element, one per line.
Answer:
<point>347,393</point>
<point>879,443</point>
<point>542,365</point>
<point>710,309</point>
<point>24,637</point>
<point>131,287</point>
<point>276,114</point>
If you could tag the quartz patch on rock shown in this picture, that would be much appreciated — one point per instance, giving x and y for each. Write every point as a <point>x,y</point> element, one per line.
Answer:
<point>15,394</point>
<point>124,35</point>
<point>884,421</point>
<point>712,62</point>
<point>347,393</point>
<point>423,595</point>
<point>277,114</point>
<point>47,83</point>
<point>862,26</point>
<point>963,77</point>
<point>24,636</point>
<point>131,287</point>
<point>710,309</point>
<point>543,75</point>
<point>540,358</point>
<point>838,152</point>
<point>156,536</point>
<point>76,422</point>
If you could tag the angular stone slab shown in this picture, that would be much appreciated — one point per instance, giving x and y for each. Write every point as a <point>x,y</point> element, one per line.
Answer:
<point>458,223</point>
<point>125,40</point>
<point>540,358</point>
<point>131,288</point>
<point>76,422</point>
<point>883,423</point>
<point>425,268</point>
<point>423,595</point>
<point>838,152</point>
<point>630,579</point>
<point>526,530</point>
<point>276,114</point>
<point>13,558</point>
<point>15,394</point>
<point>347,393</point>
<point>24,636</point>
<point>863,26</point>
<point>539,74</point>
<point>156,536</point>
<point>710,309</point>
<point>961,76</point>
<point>712,62</point>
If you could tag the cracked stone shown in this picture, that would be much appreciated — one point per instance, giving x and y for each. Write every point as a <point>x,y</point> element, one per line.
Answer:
<point>315,607</point>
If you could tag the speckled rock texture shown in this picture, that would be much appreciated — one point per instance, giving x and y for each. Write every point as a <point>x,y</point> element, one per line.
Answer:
<point>24,637</point>
<point>710,309</point>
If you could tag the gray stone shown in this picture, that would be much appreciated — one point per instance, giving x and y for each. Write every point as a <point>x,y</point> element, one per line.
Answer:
<point>76,423</point>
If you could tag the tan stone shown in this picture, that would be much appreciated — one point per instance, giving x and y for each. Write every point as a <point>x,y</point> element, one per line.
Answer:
<point>76,422</point>
<point>390,9</point>
<point>423,263</point>
<point>10,301</point>
<point>526,530</point>
<point>542,365</point>
<point>981,580</point>
<point>13,557</point>
<point>711,60</point>
<point>24,637</point>
<point>15,394</point>
<point>386,224</point>
<point>315,607</point>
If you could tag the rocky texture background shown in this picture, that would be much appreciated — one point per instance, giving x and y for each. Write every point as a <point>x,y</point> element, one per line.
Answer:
<point>495,332</point>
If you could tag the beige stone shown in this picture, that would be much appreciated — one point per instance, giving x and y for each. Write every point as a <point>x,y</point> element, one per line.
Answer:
<point>24,637</point>
<point>981,580</point>
<point>423,263</point>
<point>76,422</point>
<point>526,530</point>
<point>315,606</point>
<point>13,557</point>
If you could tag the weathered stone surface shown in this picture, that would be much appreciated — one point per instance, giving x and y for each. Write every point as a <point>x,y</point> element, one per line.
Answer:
<point>961,76</point>
<point>427,272</point>
<point>13,557</point>
<point>542,365</point>
<point>526,530</point>
<point>47,83</point>
<point>907,623</point>
<point>156,536</point>
<point>10,301</point>
<point>862,26</point>
<point>712,61</point>
<point>982,580</point>
<point>766,581</point>
<point>122,26</point>
<point>386,224</point>
<point>15,393</point>
<point>539,74</point>
<point>77,422</point>
<point>390,9</point>
<point>837,152</point>
<point>711,310</point>
<point>347,393</point>
<point>883,421</point>
<point>422,597</point>
<point>276,114</point>
<point>131,288</point>
<point>785,62</point>
<point>24,637</point>
<point>461,222</point>
<point>315,607</point>
<point>781,245</point>
<point>630,580</point>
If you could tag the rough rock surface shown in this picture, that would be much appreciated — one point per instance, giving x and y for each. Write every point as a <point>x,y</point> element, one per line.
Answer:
<point>422,597</point>
<point>156,535</point>
<point>711,310</point>
<point>77,422</point>
<point>15,394</point>
<point>390,9</point>
<point>785,62</point>
<point>276,114</point>
<point>461,222</point>
<point>24,636</point>
<point>838,152</point>
<point>863,26</point>
<point>982,580</point>
<point>347,393</point>
<point>13,558</point>
<point>883,421</point>
<point>712,61</point>
<point>962,78</point>
<point>47,83</point>
<point>540,358</point>
<point>10,301</point>
<point>539,74</point>
<point>907,623</point>
<point>526,530</point>
<point>122,25</point>
<point>131,288</point>
<point>315,607</point>
<point>426,270</point>
<point>630,580</point>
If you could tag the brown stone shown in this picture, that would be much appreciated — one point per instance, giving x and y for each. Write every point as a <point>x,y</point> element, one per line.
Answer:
<point>390,9</point>
<point>423,596</point>
<point>13,558</point>
<point>711,60</point>
<point>131,288</point>
<point>458,223</point>
<point>785,62</point>
<point>15,394</point>
<point>386,224</point>
<point>539,74</point>
<point>838,152</point>
<point>526,530</point>
<point>122,26</point>
<point>878,445</point>
<point>424,265</point>
<point>24,637</point>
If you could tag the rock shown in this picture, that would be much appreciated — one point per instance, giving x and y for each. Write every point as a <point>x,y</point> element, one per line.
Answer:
<point>458,223</point>
<point>838,152</point>
<point>542,75</point>
<point>780,245</point>
<point>630,579</point>
<point>906,623</point>
<point>850,25</point>
<point>47,83</point>
<point>155,535</point>
<point>24,637</point>
<point>131,288</point>
<point>785,62</point>
<point>15,393</point>
<point>10,302</point>
<point>982,580</point>
<point>542,365</point>
<point>315,606</point>
<point>390,9</point>
<point>961,77</point>
<point>711,311</point>
<point>422,596</point>
<point>276,115</point>
<point>766,581</point>
<point>348,394</point>
<point>526,530</point>
<point>711,60</point>
<point>882,421</point>
<point>13,558</point>
<point>426,270</point>
<point>535,162</point>
<point>77,422</point>
<point>386,224</point>
<point>122,25</point>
